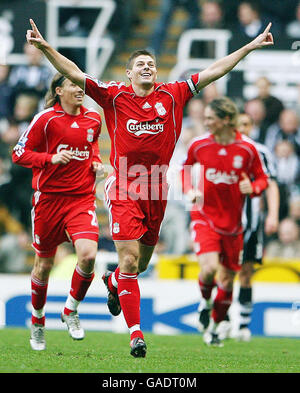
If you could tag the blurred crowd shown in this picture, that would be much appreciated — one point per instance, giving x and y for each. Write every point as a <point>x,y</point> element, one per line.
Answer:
<point>23,87</point>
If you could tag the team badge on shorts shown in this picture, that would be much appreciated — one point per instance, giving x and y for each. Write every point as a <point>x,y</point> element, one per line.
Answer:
<point>237,161</point>
<point>90,135</point>
<point>116,227</point>
<point>160,109</point>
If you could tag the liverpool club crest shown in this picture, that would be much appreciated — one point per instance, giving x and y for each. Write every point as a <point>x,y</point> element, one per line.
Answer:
<point>90,135</point>
<point>160,109</point>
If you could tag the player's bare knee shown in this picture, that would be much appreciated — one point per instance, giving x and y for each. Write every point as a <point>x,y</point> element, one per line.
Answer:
<point>86,261</point>
<point>42,267</point>
<point>208,270</point>
<point>129,263</point>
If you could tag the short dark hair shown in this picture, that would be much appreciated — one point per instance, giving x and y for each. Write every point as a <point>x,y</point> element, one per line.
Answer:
<point>137,53</point>
<point>223,107</point>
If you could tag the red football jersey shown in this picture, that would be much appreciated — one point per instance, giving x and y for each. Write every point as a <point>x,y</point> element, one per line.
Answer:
<point>51,131</point>
<point>221,168</point>
<point>143,130</point>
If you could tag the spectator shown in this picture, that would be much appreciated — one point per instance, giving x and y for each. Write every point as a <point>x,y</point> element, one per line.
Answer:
<point>16,192</point>
<point>251,22</point>
<point>4,173</point>
<point>272,104</point>
<point>294,203</point>
<point>13,253</point>
<point>194,118</point>
<point>125,17</point>
<point>211,16</point>
<point>6,102</point>
<point>287,163</point>
<point>209,93</point>
<point>32,77</point>
<point>26,106</point>
<point>288,243</point>
<point>105,242</point>
<point>288,172</point>
<point>174,229</point>
<point>14,243</point>
<point>293,28</point>
<point>7,41</point>
<point>287,128</point>
<point>256,109</point>
<point>167,9</point>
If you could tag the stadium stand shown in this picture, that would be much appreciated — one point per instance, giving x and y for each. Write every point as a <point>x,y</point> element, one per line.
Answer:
<point>111,34</point>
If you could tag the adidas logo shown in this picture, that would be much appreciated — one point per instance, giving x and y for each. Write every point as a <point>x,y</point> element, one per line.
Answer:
<point>147,105</point>
<point>222,152</point>
<point>124,292</point>
<point>74,125</point>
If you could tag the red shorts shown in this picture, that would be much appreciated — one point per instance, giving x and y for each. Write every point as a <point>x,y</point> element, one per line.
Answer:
<point>230,247</point>
<point>60,218</point>
<point>135,215</point>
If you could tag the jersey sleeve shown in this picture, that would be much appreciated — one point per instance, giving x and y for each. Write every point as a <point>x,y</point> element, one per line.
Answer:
<point>24,153</point>
<point>184,90</point>
<point>102,93</point>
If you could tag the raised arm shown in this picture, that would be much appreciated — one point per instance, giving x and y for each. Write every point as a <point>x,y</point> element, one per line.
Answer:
<point>223,66</point>
<point>60,62</point>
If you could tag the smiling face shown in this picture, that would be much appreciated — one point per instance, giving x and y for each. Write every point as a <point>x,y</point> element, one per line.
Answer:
<point>70,94</point>
<point>143,72</point>
<point>212,122</point>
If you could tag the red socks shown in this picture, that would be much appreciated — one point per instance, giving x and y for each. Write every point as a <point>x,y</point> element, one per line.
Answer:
<point>222,300</point>
<point>79,286</point>
<point>81,282</point>
<point>221,305</point>
<point>129,296</point>
<point>38,300</point>
<point>205,288</point>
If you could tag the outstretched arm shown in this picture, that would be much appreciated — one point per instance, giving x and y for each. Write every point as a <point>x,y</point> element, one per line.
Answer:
<point>63,65</point>
<point>227,63</point>
<point>273,203</point>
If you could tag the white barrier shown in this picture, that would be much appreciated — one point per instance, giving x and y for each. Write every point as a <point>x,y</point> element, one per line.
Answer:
<point>167,306</point>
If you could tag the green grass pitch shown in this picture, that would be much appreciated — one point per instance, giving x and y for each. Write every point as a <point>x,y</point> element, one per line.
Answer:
<point>103,352</point>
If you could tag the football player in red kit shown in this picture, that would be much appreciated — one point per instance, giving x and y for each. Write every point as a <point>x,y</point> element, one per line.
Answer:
<point>228,160</point>
<point>144,122</point>
<point>61,147</point>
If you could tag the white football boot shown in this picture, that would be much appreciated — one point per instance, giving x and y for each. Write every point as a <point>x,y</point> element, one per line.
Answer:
<point>243,334</point>
<point>73,324</point>
<point>224,330</point>
<point>37,338</point>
